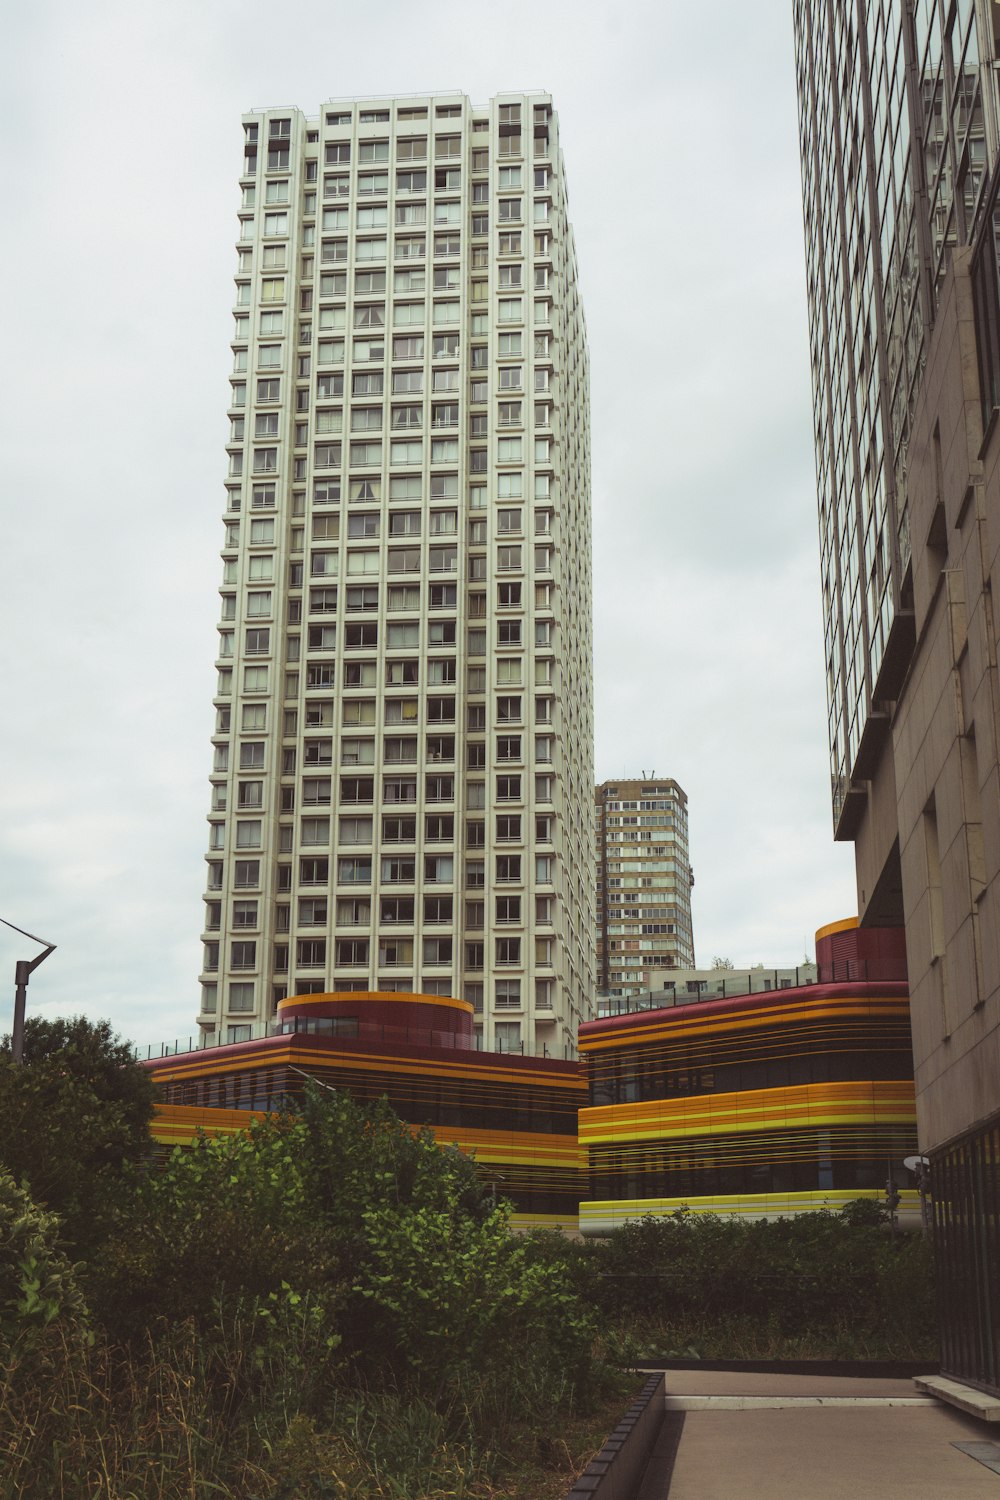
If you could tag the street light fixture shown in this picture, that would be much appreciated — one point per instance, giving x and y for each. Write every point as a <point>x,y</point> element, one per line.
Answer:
<point>23,971</point>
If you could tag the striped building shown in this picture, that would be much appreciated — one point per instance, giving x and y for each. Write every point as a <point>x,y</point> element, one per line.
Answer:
<point>517,1114</point>
<point>758,1105</point>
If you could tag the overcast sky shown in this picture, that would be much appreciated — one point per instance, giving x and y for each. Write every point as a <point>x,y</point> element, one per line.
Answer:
<point>122,148</point>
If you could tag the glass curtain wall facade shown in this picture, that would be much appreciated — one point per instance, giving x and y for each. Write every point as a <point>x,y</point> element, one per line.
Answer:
<point>403,753</point>
<point>898,129</point>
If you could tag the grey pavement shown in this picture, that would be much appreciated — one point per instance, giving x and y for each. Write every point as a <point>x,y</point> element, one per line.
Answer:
<point>876,1438</point>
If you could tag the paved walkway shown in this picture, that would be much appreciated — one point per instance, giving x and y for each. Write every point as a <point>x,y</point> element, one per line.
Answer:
<point>790,1437</point>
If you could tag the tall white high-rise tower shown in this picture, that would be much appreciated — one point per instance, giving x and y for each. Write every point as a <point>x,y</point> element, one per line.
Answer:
<point>403,771</point>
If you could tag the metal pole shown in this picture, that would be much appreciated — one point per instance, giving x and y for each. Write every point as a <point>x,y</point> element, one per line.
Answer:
<point>23,970</point>
<point>21,973</point>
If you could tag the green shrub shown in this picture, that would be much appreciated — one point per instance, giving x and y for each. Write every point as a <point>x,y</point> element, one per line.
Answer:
<point>75,1113</point>
<point>837,1280</point>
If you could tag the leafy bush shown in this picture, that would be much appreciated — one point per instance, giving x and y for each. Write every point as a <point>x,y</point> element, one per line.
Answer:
<point>837,1280</point>
<point>40,1301</point>
<point>74,1114</point>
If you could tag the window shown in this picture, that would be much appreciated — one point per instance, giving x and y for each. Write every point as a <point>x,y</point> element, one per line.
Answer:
<point>246,874</point>
<point>353,870</point>
<point>406,451</point>
<point>400,750</point>
<point>315,831</point>
<point>357,788</point>
<point>359,674</point>
<point>508,868</point>
<point>403,634</point>
<point>404,314</point>
<point>359,711</point>
<point>507,993</point>
<point>411,148</point>
<point>400,710</point>
<point>399,789</point>
<point>352,950</point>
<point>354,752</point>
<point>393,952</point>
<point>366,454</point>
<point>394,909</point>
<point>373,184</point>
<point>354,830</point>
<point>371,249</point>
<point>508,950</point>
<point>368,315</point>
<point>410,247</point>
<point>437,950</point>
<point>366,418</point>
<point>363,596</point>
<point>398,830</point>
<point>404,596</point>
<point>407,416</point>
<point>441,633</point>
<point>411,279</point>
<point>508,908</point>
<point>361,637</point>
<point>365,491</point>
<point>409,346</point>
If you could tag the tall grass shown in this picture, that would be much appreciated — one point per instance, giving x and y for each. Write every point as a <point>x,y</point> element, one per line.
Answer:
<point>181,1418</point>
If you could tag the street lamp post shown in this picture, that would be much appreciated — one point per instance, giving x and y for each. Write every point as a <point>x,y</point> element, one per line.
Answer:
<point>23,970</point>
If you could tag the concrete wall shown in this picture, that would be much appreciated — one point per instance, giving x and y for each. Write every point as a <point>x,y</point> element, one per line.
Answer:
<point>944,739</point>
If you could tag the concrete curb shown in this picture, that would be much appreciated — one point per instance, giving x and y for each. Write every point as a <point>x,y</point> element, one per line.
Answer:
<point>782,1403</point>
<point>616,1472</point>
<point>966,1397</point>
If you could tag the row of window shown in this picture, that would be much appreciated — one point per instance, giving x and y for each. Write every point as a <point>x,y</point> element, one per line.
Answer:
<point>316,831</point>
<point>333,284</point>
<point>315,911</point>
<point>314,870</point>
<point>362,598</point>
<point>367,216</point>
<point>267,424</point>
<point>445,246</point>
<point>312,952</point>
<point>508,869</point>
<point>333,318</point>
<point>405,347</point>
<point>395,789</point>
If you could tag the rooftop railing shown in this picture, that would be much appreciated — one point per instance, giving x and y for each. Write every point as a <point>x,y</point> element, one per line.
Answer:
<point>340,1028</point>
<point>757,981</point>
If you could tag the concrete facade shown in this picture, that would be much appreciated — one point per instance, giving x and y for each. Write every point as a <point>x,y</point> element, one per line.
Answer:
<point>643,883</point>
<point>403,749</point>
